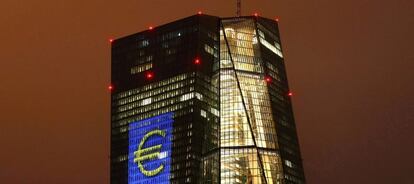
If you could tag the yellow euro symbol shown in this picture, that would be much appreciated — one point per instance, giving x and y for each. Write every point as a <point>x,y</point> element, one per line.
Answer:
<point>143,154</point>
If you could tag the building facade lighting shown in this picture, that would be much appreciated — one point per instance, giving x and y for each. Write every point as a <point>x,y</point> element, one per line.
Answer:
<point>203,100</point>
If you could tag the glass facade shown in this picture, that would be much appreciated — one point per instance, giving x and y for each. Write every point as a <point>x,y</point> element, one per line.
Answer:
<point>223,83</point>
<point>248,140</point>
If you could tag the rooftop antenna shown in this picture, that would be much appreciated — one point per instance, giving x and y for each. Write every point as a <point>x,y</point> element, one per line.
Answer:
<point>238,8</point>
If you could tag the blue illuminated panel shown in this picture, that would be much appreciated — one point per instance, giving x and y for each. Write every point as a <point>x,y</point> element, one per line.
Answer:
<point>149,156</point>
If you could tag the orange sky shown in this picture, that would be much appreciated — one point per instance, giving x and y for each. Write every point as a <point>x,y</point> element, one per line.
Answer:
<point>350,65</point>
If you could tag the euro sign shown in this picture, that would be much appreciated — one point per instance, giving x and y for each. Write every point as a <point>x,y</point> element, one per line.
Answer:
<point>150,153</point>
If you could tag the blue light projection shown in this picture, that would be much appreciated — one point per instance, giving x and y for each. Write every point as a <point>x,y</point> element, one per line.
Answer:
<point>149,156</point>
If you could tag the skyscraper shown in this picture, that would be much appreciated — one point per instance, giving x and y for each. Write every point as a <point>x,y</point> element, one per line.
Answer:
<point>203,100</point>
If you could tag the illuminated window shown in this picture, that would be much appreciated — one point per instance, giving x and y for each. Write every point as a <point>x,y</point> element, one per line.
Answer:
<point>288,163</point>
<point>203,113</point>
<point>143,43</point>
<point>140,68</point>
<point>210,50</point>
<point>187,96</point>
<point>199,96</point>
<point>146,101</point>
<point>275,48</point>
<point>214,111</point>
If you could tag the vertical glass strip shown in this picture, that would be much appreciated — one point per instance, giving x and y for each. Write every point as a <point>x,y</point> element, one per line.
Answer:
<point>239,153</point>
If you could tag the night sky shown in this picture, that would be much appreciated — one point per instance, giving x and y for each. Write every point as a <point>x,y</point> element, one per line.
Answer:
<point>350,66</point>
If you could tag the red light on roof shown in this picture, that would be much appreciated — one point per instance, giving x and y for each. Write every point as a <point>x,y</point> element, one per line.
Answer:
<point>290,94</point>
<point>197,61</point>
<point>110,87</point>
<point>256,14</point>
<point>268,79</point>
<point>199,12</point>
<point>111,40</point>
<point>149,75</point>
<point>277,19</point>
<point>150,28</point>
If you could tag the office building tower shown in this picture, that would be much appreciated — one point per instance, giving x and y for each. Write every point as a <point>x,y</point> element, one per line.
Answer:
<point>203,100</point>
